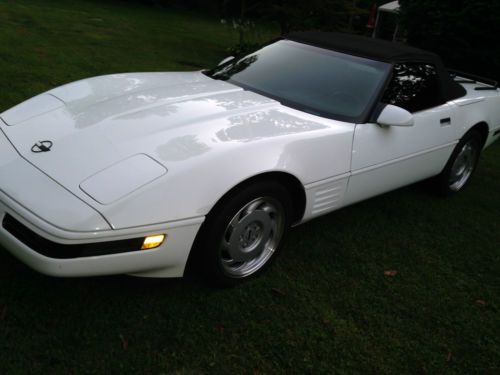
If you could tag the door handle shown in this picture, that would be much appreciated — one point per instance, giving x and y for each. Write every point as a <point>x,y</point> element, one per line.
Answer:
<point>445,121</point>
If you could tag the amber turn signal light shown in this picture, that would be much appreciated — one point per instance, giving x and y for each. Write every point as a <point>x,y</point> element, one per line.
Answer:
<point>150,242</point>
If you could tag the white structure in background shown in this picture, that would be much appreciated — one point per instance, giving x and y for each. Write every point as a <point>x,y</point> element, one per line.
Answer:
<point>386,15</point>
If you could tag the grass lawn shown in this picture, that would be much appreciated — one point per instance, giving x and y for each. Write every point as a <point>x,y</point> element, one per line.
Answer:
<point>327,306</point>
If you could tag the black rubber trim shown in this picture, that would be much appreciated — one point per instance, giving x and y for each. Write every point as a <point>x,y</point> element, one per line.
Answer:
<point>485,88</point>
<point>466,81</point>
<point>56,250</point>
<point>496,133</point>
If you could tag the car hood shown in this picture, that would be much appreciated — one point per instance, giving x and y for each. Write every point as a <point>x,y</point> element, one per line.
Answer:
<point>139,125</point>
<point>159,136</point>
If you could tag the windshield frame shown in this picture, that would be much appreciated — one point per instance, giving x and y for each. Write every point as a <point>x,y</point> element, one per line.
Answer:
<point>363,117</point>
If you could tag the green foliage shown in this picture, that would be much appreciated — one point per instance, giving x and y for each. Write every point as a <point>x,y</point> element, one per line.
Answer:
<point>464,32</point>
<point>51,42</point>
<point>242,49</point>
<point>210,6</point>
<point>290,15</point>
<point>327,15</point>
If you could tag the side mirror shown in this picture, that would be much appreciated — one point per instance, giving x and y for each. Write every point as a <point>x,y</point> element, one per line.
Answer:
<point>227,59</point>
<point>395,116</point>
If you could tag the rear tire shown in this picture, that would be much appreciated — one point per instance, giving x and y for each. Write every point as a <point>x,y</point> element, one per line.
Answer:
<point>243,233</point>
<point>461,166</point>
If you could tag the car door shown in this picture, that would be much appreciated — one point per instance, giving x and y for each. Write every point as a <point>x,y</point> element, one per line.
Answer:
<point>387,157</point>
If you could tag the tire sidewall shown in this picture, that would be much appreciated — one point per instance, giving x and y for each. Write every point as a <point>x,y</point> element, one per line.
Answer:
<point>443,179</point>
<point>207,244</point>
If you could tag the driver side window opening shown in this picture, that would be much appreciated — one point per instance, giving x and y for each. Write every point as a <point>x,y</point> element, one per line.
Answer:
<point>414,87</point>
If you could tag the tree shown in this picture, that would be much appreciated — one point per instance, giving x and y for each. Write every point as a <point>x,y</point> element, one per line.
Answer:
<point>326,15</point>
<point>463,32</point>
<point>293,15</point>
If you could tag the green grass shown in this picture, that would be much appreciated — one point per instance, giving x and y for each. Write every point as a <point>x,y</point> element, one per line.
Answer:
<point>47,43</point>
<point>325,307</point>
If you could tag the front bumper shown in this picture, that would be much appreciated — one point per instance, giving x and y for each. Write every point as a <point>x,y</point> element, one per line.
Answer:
<point>168,260</point>
<point>41,223</point>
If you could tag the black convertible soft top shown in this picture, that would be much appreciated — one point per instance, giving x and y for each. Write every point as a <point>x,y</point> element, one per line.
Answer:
<point>381,50</point>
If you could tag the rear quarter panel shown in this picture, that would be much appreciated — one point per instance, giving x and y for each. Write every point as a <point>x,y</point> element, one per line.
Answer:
<point>479,106</point>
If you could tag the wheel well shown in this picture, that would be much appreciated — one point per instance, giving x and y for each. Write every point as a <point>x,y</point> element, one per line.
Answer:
<point>482,128</point>
<point>290,182</point>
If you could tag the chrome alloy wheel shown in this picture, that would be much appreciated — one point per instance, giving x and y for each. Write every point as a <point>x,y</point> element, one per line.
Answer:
<point>251,237</point>
<point>463,166</point>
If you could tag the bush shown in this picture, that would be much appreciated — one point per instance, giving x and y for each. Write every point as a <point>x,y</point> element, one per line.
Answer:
<point>463,32</point>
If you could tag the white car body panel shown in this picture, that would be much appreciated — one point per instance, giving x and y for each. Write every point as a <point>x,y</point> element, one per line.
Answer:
<point>477,107</point>
<point>325,196</point>
<point>31,108</point>
<point>186,140</point>
<point>168,260</point>
<point>387,157</point>
<point>117,181</point>
<point>48,200</point>
<point>380,178</point>
<point>375,144</point>
<point>190,117</point>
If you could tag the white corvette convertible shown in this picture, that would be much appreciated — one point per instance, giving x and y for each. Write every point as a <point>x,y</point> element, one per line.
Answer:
<point>148,173</point>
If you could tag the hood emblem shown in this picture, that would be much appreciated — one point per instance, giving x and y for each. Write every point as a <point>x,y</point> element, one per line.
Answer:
<point>42,146</point>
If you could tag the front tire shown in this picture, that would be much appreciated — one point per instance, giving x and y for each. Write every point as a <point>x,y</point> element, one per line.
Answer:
<point>462,164</point>
<point>243,233</point>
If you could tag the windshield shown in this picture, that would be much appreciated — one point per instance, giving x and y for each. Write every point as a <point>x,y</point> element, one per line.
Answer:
<point>312,79</point>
